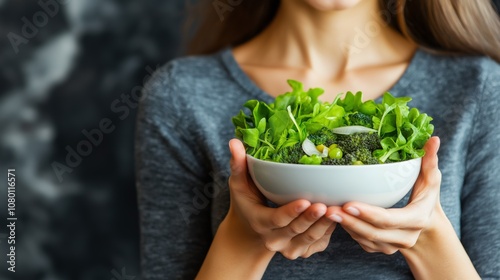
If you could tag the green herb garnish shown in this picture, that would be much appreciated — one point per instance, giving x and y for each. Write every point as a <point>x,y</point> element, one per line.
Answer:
<point>284,130</point>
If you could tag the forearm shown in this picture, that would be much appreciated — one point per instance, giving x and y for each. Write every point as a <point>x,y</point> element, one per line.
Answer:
<point>235,254</point>
<point>439,254</point>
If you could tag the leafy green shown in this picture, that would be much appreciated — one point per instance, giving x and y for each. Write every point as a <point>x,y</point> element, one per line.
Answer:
<point>276,131</point>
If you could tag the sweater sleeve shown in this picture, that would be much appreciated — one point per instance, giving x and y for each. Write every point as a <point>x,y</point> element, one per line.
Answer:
<point>480,222</point>
<point>171,174</point>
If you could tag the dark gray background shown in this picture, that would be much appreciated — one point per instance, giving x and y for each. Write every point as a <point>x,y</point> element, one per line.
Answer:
<point>65,79</point>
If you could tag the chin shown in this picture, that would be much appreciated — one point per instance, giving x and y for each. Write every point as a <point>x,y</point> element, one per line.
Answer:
<point>331,5</point>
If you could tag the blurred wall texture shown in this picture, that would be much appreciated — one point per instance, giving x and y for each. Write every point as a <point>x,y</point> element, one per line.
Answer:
<point>69,72</point>
<point>68,68</point>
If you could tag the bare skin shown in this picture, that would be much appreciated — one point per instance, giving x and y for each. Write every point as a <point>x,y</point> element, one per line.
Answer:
<point>307,42</point>
<point>315,47</point>
<point>420,231</point>
<point>252,233</point>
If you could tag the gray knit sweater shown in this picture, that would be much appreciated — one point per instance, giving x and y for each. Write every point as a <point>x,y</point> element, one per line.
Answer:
<point>182,154</point>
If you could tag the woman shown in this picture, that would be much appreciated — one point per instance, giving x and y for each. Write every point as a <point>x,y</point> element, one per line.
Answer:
<point>196,222</point>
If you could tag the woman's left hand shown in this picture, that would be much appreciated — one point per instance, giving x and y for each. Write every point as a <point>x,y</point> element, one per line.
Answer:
<point>390,230</point>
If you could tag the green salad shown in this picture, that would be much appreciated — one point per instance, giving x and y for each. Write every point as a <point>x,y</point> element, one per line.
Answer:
<point>299,128</point>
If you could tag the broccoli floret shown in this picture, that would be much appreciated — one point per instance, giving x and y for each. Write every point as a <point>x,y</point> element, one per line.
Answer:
<point>358,118</point>
<point>323,136</point>
<point>358,147</point>
<point>353,142</point>
<point>347,159</point>
<point>365,156</point>
<point>291,154</point>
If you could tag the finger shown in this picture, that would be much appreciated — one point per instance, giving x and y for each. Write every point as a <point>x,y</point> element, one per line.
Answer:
<point>298,244</point>
<point>430,160</point>
<point>240,180</point>
<point>238,162</point>
<point>303,222</point>
<point>424,195</point>
<point>429,173</point>
<point>269,221</point>
<point>366,244</point>
<point>277,218</point>
<point>330,229</point>
<point>369,235</point>
<point>373,246</point>
<point>428,182</point>
<point>299,247</point>
<point>263,218</point>
<point>413,216</point>
<point>314,233</point>
<point>321,244</point>
<point>359,229</point>
<point>277,222</point>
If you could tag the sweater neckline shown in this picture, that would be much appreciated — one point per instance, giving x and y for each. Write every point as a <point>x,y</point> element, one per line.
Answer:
<point>237,74</point>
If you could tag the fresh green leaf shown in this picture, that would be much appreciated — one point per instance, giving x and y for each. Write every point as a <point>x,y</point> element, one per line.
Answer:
<point>271,129</point>
<point>278,123</point>
<point>261,127</point>
<point>250,136</point>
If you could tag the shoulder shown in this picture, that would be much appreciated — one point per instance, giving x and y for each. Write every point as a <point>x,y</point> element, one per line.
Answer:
<point>189,71</point>
<point>455,90</point>
<point>195,89</point>
<point>465,71</point>
<point>198,66</point>
<point>444,82</point>
<point>182,79</point>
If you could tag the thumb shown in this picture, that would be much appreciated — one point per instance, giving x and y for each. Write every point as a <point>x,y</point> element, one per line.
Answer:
<point>240,180</point>
<point>430,176</point>
<point>238,157</point>
<point>430,159</point>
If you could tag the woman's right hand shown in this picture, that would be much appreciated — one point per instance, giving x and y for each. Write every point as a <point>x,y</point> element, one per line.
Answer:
<point>297,229</point>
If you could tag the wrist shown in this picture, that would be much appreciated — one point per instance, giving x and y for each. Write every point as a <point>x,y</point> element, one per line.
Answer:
<point>239,231</point>
<point>235,253</point>
<point>437,226</point>
<point>438,252</point>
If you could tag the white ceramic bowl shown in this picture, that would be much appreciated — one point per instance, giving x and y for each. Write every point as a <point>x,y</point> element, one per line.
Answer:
<point>379,184</point>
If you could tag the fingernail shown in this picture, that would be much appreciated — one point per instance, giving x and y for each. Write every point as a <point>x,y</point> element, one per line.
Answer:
<point>353,211</point>
<point>335,218</point>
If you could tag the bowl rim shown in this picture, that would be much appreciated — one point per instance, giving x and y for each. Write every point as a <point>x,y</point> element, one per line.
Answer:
<point>332,166</point>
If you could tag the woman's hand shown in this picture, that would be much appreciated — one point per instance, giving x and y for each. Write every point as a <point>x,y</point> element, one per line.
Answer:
<point>251,232</point>
<point>297,229</point>
<point>389,230</point>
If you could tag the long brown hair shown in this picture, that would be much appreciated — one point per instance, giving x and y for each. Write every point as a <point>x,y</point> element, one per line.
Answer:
<point>445,26</point>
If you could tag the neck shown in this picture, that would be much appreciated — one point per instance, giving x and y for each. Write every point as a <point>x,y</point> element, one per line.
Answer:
<point>328,42</point>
